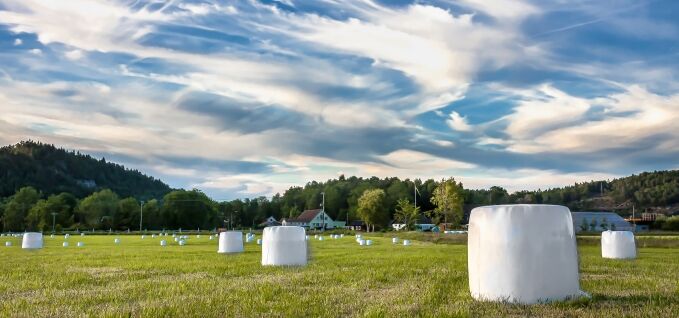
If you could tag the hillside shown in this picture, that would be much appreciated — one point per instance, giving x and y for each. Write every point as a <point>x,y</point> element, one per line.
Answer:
<point>54,170</point>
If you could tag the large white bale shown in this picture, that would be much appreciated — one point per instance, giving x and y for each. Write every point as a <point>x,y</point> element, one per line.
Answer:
<point>522,254</point>
<point>32,240</point>
<point>361,242</point>
<point>8,243</point>
<point>369,242</point>
<point>406,242</point>
<point>230,242</point>
<point>66,236</point>
<point>82,234</point>
<point>163,243</point>
<point>81,244</point>
<point>182,242</point>
<point>259,241</point>
<point>618,244</point>
<point>394,240</point>
<point>64,244</point>
<point>284,245</point>
<point>116,241</point>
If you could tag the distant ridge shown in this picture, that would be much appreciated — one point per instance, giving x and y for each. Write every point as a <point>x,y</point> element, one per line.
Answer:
<point>53,170</point>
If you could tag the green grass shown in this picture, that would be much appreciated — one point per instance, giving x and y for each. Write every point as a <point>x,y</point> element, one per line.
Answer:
<point>139,278</point>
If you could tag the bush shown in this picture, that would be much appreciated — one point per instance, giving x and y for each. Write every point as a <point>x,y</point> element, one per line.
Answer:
<point>671,224</point>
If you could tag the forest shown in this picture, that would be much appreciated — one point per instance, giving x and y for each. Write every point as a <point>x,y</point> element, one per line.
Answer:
<point>122,197</point>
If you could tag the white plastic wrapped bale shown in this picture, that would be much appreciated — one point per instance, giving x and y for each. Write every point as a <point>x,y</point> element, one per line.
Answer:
<point>143,237</point>
<point>81,244</point>
<point>153,236</point>
<point>67,236</point>
<point>284,246</point>
<point>369,242</point>
<point>394,240</point>
<point>212,237</point>
<point>163,243</point>
<point>522,254</point>
<point>82,234</point>
<point>259,241</point>
<point>618,245</point>
<point>116,241</point>
<point>32,240</point>
<point>406,242</point>
<point>320,238</point>
<point>182,242</point>
<point>230,242</point>
<point>8,243</point>
<point>361,242</point>
<point>341,235</point>
<point>64,244</point>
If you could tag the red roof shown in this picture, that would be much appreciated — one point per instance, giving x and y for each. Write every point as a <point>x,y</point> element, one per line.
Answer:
<point>306,216</point>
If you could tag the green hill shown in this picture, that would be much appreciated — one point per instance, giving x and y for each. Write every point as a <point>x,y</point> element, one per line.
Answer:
<point>54,170</point>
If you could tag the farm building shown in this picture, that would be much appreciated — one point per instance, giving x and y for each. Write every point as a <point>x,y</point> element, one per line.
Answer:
<point>599,221</point>
<point>314,219</point>
<point>270,221</point>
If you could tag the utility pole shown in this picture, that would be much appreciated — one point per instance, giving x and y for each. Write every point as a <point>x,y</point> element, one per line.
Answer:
<point>141,215</point>
<point>54,216</point>
<point>323,212</point>
<point>415,192</point>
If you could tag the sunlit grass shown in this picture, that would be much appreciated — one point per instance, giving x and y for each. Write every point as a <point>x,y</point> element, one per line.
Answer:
<point>141,278</point>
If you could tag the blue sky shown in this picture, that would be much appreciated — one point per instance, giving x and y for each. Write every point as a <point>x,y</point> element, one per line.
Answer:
<point>247,98</point>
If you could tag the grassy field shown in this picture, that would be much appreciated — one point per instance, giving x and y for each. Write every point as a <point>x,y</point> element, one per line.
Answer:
<point>140,278</point>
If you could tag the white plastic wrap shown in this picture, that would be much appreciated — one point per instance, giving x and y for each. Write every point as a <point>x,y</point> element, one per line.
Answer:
<point>369,242</point>
<point>259,241</point>
<point>163,243</point>
<point>361,242</point>
<point>64,244</point>
<point>81,244</point>
<point>182,242</point>
<point>82,234</point>
<point>116,241</point>
<point>66,236</point>
<point>8,243</point>
<point>618,244</point>
<point>394,240</point>
<point>284,245</point>
<point>230,242</point>
<point>32,240</point>
<point>522,254</point>
<point>406,242</point>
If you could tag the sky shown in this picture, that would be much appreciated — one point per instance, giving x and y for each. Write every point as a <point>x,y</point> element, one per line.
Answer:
<point>247,98</point>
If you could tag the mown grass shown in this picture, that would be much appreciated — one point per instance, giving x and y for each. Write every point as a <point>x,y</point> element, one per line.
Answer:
<point>140,278</point>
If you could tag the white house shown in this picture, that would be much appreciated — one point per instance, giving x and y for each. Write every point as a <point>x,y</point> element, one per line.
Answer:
<point>314,219</point>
